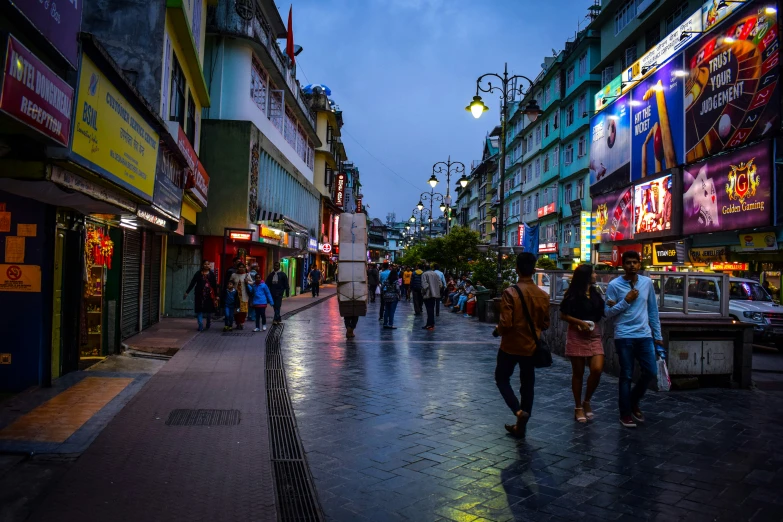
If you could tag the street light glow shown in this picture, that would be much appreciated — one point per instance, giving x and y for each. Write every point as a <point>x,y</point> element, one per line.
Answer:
<point>477,107</point>
<point>433,181</point>
<point>442,207</point>
<point>420,205</point>
<point>463,181</point>
<point>413,218</point>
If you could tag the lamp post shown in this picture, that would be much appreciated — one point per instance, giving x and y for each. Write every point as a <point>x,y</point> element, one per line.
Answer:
<point>421,212</point>
<point>448,168</point>
<point>432,196</point>
<point>508,90</point>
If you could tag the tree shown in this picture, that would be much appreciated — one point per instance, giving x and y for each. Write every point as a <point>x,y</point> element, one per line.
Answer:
<point>485,270</point>
<point>546,264</point>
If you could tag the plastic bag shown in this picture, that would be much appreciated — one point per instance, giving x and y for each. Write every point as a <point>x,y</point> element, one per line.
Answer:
<point>378,290</point>
<point>664,382</point>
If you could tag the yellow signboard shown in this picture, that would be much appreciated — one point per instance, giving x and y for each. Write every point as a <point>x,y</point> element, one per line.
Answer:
<point>20,278</point>
<point>112,138</point>
<point>755,242</point>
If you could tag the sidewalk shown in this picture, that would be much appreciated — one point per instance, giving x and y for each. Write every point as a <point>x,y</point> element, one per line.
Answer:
<point>142,466</point>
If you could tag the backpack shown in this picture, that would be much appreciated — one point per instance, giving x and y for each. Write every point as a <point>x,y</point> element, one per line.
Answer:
<point>389,292</point>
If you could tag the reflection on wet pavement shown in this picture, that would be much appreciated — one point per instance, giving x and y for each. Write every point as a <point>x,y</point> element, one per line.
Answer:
<point>408,425</point>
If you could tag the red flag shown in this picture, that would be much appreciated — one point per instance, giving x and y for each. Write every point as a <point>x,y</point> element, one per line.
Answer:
<point>289,41</point>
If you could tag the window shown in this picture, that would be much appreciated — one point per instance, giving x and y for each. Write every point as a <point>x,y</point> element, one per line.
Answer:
<point>570,77</point>
<point>535,200</point>
<point>570,115</point>
<point>677,17</point>
<point>583,64</point>
<point>629,56</point>
<point>567,234</point>
<point>652,37</point>
<point>607,75</point>
<point>538,167</point>
<point>624,15</point>
<point>547,95</point>
<point>583,105</point>
<point>258,85</point>
<point>190,124</point>
<point>177,108</point>
<point>582,147</point>
<point>538,135</point>
<point>580,189</point>
<point>546,163</point>
<point>568,193</point>
<point>569,154</point>
<point>556,120</point>
<point>556,87</point>
<point>556,156</point>
<point>546,128</point>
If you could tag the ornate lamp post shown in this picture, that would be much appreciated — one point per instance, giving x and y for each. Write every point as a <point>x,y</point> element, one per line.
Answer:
<point>432,196</point>
<point>421,212</point>
<point>508,90</point>
<point>448,168</point>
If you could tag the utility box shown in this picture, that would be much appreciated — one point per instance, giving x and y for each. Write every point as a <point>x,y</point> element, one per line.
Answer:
<point>696,357</point>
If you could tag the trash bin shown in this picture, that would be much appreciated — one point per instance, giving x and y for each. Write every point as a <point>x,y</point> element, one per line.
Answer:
<point>493,310</point>
<point>482,296</point>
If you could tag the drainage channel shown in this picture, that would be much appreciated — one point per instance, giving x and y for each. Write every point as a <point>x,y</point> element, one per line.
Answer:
<point>297,499</point>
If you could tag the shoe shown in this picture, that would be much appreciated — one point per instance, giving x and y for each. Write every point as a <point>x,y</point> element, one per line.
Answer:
<point>588,409</point>
<point>257,329</point>
<point>628,422</point>
<point>263,327</point>
<point>392,327</point>
<point>637,415</point>
<point>429,327</point>
<point>579,415</point>
<point>380,318</point>
<point>522,420</point>
<point>466,315</point>
<point>386,326</point>
<point>349,333</point>
<point>515,431</point>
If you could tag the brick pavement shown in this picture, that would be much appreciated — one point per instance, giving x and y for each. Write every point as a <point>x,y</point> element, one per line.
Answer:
<point>408,425</point>
<point>139,468</point>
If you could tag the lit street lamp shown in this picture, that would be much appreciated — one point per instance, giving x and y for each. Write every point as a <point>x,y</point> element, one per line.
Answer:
<point>423,214</point>
<point>432,196</point>
<point>448,168</point>
<point>508,91</point>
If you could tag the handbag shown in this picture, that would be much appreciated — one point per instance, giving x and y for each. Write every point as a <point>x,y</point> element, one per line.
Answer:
<point>542,357</point>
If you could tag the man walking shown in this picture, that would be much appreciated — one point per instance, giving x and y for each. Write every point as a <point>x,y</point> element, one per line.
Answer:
<point>430,291</point>
<point>637,331</point>
<point>436,269</point>
<point>382,277</point>
<point>518,340</point>
<point>277,282</point>
<point>372,281</point>
<point>315,281</point>
<point>416,289</point>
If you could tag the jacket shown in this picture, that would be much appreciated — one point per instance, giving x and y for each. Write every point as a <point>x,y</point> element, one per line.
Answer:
<point>430,285</point>
<point>406,277</point>
<point>279,288</point>
<point>416,280</point>
<point>260,294</point>
<point>231,298</point>
<point>513,327</point>
<point>372,277</point>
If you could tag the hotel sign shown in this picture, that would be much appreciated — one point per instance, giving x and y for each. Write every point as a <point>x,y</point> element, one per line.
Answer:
<point>339,190</point>
<point>546,210</point>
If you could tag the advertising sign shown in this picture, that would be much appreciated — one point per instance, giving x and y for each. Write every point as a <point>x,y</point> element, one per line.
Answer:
<point>359,205</point>
<point>732,95</point>
<point>110,137</point>
<point>547,248</point>
<point>652,204</point>
<point>714,12</point>
<point>585,233</point>
<point>72,181</point>
<point>339,190</point>
<point>610,145</point>
<point>312,244</point>
<point>58,22</point>
<point>758,242</point>
<point>704,255</point>
<point>729,192</point>
<point>521,234</point>
<point>673,253</point>
<point>325,248</point>
<point>20,278</point>
<point>197,184</point>
<point>34,95</point>
<point>729,266</point>
<point>609,93</point>
<point>613,216</point>
<point>658,143</point>
<point>546,210</point>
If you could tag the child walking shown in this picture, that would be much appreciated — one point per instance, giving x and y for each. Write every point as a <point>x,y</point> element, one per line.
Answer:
<point>231,300</point>
<point>260,298</point>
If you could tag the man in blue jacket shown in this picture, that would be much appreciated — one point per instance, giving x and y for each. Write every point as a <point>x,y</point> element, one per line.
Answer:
<point>277,282</point>
<point>637,331</point>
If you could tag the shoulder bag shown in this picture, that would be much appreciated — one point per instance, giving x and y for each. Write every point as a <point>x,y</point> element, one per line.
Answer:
<point>542,357</point>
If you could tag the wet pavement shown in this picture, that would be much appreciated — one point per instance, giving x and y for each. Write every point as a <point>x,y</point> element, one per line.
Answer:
<point>408,425</point>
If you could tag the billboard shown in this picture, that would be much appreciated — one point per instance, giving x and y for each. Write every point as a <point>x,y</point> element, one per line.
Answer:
<point>666,254</point>
<point>610,146</point>
<point>613,216</point>
<point>608,94</point>
<point>729,192</point>
<point>657,141</point>
<point>653,204</point>
<point>732,94</point>
<point>58,22</point>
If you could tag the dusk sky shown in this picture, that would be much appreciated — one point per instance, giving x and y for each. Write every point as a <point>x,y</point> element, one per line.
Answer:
<point>402,71</point>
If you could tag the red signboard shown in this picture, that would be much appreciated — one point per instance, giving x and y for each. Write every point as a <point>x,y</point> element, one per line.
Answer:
<point>547,209</point>
<point>358,206</point>
<point>520,234</point>
<point>241,236</point>
<point>339,190</point>
<point>547,248</point>
<point>198,184</point>
<point>34,95</point>
<point>183,143</point>
<point>729,266</point>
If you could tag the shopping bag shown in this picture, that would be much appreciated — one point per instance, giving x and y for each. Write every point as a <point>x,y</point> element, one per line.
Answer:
<point>378,290</point>
<point>664,382</point>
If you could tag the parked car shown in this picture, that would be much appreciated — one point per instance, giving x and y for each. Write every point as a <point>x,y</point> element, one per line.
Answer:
<point>749,302</point>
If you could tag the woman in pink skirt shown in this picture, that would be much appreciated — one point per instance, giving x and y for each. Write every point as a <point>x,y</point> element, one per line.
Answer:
<point>582,308</point>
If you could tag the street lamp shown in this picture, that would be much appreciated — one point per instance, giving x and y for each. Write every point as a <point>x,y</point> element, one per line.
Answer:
<point>423,214</point>
<point>508,90</point>
<point>448,168</point>
<point>463,181</point>
<point>432,196</point>
<point>433,181</point>
<point>420,205</point>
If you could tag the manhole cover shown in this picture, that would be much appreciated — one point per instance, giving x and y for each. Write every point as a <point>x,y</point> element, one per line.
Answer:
<point>203,418</point>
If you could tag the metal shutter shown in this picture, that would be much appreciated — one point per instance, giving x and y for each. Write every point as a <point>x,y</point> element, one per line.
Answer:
<point>131,283</point>
<point>149,237</point>
<point>152,279</point>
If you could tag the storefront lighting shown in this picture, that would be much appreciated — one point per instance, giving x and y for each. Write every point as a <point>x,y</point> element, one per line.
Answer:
<point>613,117</point>
<point>128,224</point>
<point>729,40</point>
<point>770,10</point>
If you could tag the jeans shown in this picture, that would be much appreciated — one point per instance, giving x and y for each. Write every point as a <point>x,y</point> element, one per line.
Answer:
<point>406,292</point>
<point>437,306</point>
<point>278,302</point>
<point>388,313</point>
<point>527,380</point>
<point>260,315</point>
<point>461,302</point>
<point>383,306</point>
<point>228,316</point>
<point>418,301</point>
<point>453,298</point>
<point>350,322</point>
<point>643,350</point>
<point>315,287</point>
<point>430,304</point>
<point>200,319</point>
<point>372,293</point>
<point>251,313</point>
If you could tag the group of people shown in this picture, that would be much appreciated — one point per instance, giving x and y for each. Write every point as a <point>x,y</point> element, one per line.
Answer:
<point>245,295</point>
<point>524,315</point>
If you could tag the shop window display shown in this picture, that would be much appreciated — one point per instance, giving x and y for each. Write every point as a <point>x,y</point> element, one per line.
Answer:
<point>98,252</point>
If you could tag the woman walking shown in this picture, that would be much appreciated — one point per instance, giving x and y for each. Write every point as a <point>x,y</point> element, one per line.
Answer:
<point>241,279</point>
<point>582,308</point>
<point>390,294</point>
<point>260,297</point>
<point>206,293</point>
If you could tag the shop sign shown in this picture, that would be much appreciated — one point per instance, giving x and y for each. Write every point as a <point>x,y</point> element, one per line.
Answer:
<point>110,136</point>
<point>606,257</point>
<point>339,190</point>
<point>613,216</point>
<point>729,192</point>
<point>546,210</point>
<point>151,218</point>
<point>359,205</point>
<point>576,207</point>
<point>240,236</point>
<point>729,266</point>
<point>198,184</point>
<point>326,248</point>
<point>520,234</point>
<point>665,254</point>
<point>20,278</point>
<point>758,242</point>
<point>702,256</point>
<point>609,93</point>
<point>610,146</point>
<point>168,196</point>
<point>733,94</point>
<point>34,95</point>
<point>617,253</point>
<point>58,22</point>
<point>653,216</point>
<point>270,234</point>
<point>73,182</point>
<point>183,144</point>
<point>547,248</point>
<point>585,235</point>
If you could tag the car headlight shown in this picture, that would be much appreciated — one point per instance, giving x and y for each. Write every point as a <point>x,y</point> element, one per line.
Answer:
<point>755,316</point>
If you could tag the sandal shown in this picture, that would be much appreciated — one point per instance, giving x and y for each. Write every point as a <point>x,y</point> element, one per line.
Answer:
<point>579,415</point>
<point>588,410</point>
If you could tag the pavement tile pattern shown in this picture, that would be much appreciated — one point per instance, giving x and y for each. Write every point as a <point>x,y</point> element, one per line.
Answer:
<point>407,424</point>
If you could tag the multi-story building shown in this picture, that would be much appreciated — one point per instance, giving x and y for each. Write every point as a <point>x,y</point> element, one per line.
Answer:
<point>486,173</point>
<point>467,200</point>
